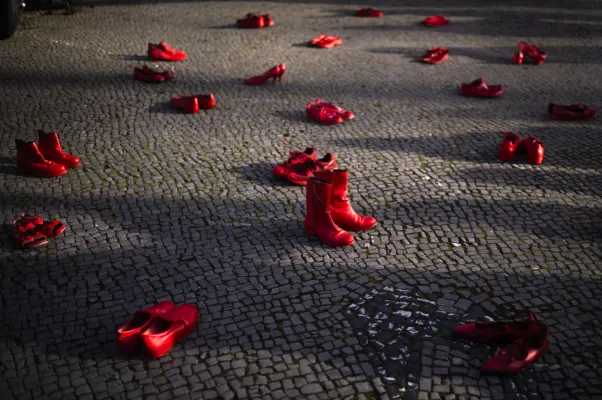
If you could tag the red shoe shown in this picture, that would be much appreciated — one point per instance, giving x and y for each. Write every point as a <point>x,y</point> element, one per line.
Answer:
<point>575,112</point>
<point>435,55</point>
<point>141,75</point>
<point>169,328</point>
<point>485,332</point>
<point>294,158</point>
<point>274,73</point>
<point>368,12</point>
<point>520,353</point>
<point>189,104</point>
<point>301,172</point>
<point>518,58</point>
<point>31,161</point>
<point>163,52</point>
<point>129,340</point>
<point>50,147</point>
<point>318,218</point>
<point>532,51</point>
<point>342,213</point>
<point>437,20</point>
<point>344,114</point>
<point>509,145</point>
<point>252,21</point>
<point>267,20</point>
<point>26,235</point>
<point>534,149</point>
<point>479,88</point>
<point>203,101</point>
<point>167,75</point>
<point>51,228</point>
<point>327,113</point>
<point>325,41</point>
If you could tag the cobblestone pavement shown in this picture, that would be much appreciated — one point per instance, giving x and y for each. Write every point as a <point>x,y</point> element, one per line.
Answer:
<point>184,207</point>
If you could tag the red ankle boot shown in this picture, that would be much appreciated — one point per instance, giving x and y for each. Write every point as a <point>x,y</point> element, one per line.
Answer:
<point>31,161</point>
<point>50,147</point>
<point>509,146</point>
<point>342,213</point>
<point>534,149</point>
<point>318,219</point>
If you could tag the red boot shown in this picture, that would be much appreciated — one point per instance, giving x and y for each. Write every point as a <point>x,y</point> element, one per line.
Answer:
<point>169,328</point>
<point>129,333</point>
<point>534,149</point>
<point>509,146</point>
<point>31,161</point>
<point>50,147</point>
<point>318,219</point>
<point>342,213</point>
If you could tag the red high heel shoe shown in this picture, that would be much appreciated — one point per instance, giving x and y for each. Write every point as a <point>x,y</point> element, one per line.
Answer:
<point>435,55</point>
<point>575,112</point>
<point>274,73</point>
<point>368,12</point>
<point>129,339</point>
<point>189,104</point>
<point>479,88</point>
<point>318,219</point>
<point>521,353</point>
<point>301,172</point>
<point>169,328</point>
<point>518,58</point>
<point>50,147</point>
<point>485,332</point>
<point>532,51</point>
<point>437,20</point>
<point>31,161</point>
<point>294,158</point>
<point>27,236</point>
<point>50,228</point>
<point>509,145</point>
<point>342,213</point>
<point>164,52</point>
<point>534,148</point>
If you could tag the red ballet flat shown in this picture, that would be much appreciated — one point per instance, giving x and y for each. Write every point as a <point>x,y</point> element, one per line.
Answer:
<point>27,236</point>
<point>532,51</point>
<point>437,20</point>
<point>295,157</point>
<point>274,73</point>
<point>50,228</point>
<point>129,339</point>
<point>485,332</point>
<point>575,112</point>
<point>435,55</point>
<point>479,88</point>
<point>368,12</point>
<point>520,353</point>
<point>169,328</point>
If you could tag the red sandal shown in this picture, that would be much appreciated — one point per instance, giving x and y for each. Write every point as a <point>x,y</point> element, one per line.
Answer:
<point>27,236</point>
<point>50,228</point>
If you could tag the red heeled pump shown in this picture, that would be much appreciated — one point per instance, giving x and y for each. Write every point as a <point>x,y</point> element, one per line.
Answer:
<point>169,328</point>
<point>509,145</point>
<point>274,73</point>
<point>129,333</point>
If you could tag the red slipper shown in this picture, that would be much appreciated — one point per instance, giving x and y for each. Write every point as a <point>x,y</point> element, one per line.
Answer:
<point>368,12</point>
<point>532,51</point>
<point>169,328</point>
<point>485,332</point>
<point>437,20</point>
<point>27,236</point>
<point>479,88</point>
<point>435,55</point>
<point>325,41</point>
<point>50,228</point>
<point>574,112</point>
<point>129,340</point>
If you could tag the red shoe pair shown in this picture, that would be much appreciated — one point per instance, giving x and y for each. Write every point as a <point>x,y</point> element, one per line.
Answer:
<point>252,21</point>
<point>325,41</point>
<point>47,160</point>
<point>436,21</point>
<point>148,75</point>
<point>537,55</point>
<point>530,341</point>
<point>158,328</point>
<point>368,12</point>
<point>435,55</point>
<point>531,145</point>
<point>302,165</point>
<point>191,104</point>
<point>327,113</point>
<point>32,231</point>
<point>163,52</point>
<point>329,213</point>
<point>479,88</point>
<point>274,73</point>
<point>575,112</point>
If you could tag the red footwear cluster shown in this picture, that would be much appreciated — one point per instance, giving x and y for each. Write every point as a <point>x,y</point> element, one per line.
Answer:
<point>435,55</point>
<point>163,52</point>
<point>533,52</point>
<point>436,21</point>
<point>511,143</point>
<point>192,103</point>
<point>302,165</point>
<point>529,342</point>
<point>33,231</point>
<point>368,12</point>
<point>157,329</point>
<point>46,160</point>
<point>252,21</point>
<point>479,88</point>
<point>327,113</point>
<point>575,112</point>
<point>325,41</point>
<point>273,73</point>
<point>148,75</point>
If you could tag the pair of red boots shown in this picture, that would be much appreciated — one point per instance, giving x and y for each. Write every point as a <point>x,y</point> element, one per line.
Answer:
<point>164,52</point>
<point>533,52</point>
<point>148,75</point>
<point>302,165</point>
<point>273,73</point>
<point>511,143</point>
<point>252,21</point>
<point>329,214</point>
<point>33,231</point>
<point>327,113</point>
<point>529,341</point>
<point>192,103</point>
<point>46,160</point>
<point>158,328</point>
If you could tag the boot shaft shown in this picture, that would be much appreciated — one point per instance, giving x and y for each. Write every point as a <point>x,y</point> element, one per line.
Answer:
<point>340,183</point>
<point>49,143</point>
<point>28,152</point>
